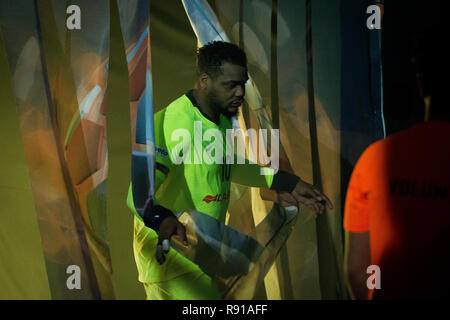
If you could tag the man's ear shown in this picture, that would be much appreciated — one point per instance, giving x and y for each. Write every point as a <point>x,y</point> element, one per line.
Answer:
<point>204,81</point>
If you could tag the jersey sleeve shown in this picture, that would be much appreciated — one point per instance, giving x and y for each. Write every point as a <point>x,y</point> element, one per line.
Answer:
<point>152,212</point>
<point>172,141</point>
<point>159,179</point>
<point>357,209</point>
<point>252,175</point>
<point>163,163</point>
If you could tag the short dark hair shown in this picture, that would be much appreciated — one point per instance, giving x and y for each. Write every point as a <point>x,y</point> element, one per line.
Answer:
<point>211,57</point>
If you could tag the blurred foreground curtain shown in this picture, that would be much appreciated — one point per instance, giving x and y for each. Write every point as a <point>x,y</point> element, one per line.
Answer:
<point>66,169</point>
<point>70,101</point>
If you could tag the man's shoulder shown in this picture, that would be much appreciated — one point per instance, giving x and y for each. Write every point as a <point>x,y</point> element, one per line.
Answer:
<point>180,106</point>
<point>177,114</point>
<point>182,103</point>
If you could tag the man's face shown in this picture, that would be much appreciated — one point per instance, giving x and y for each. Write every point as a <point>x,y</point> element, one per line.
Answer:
<point>226,91</point>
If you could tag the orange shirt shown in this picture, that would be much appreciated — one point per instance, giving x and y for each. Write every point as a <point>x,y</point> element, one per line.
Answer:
<point>400,193</point>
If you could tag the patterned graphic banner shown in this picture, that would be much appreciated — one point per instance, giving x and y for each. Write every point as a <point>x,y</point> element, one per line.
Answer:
<point>80,83</point>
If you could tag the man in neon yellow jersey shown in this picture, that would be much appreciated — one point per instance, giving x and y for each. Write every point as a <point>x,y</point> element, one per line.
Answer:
<point>182,182</point>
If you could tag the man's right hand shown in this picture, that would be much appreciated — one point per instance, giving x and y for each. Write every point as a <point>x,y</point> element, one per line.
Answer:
<point>169,226</point>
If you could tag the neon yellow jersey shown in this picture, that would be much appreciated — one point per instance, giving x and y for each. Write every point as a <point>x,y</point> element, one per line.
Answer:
<point>196,183</point>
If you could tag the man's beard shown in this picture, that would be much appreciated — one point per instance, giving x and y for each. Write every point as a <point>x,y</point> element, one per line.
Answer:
<point>222,109</point>
<point>229,114</point>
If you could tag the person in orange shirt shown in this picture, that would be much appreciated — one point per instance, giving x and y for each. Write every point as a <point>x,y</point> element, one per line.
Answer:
<point>397,210</point>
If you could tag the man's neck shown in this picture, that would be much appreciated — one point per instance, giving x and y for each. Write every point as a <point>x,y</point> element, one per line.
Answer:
<point>205,107</point>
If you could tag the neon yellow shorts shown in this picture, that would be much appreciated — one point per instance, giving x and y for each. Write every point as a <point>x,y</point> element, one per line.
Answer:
<point>190,286</point>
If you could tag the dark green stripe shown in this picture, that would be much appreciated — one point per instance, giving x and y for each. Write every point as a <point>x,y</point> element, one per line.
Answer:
<point>162,168</point>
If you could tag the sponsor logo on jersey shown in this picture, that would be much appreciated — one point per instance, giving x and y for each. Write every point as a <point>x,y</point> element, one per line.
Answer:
<point>217,198</point>
<point>161,152</point>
